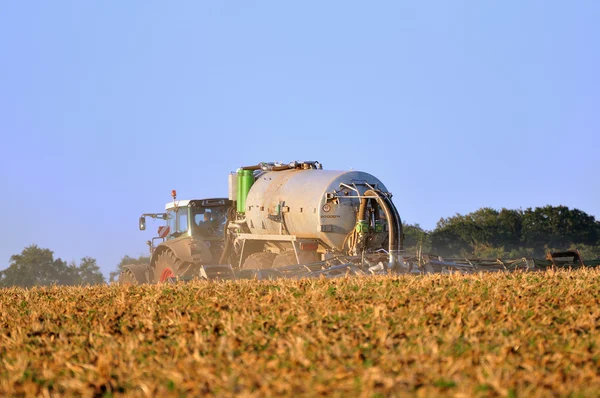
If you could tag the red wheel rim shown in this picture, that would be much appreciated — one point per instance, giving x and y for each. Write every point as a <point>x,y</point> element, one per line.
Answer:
<point>166,274</point>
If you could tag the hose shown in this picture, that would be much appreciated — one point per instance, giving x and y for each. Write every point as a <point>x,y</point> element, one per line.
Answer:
<point>227,237</point>
<point>349,240</point>
<point>395,231</point>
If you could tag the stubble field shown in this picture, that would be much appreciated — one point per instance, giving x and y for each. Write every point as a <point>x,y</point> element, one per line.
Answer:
<point>520,334</point>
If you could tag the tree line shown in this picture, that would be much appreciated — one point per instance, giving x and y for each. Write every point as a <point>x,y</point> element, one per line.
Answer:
<point>506,233</point>
<point>36,266</point>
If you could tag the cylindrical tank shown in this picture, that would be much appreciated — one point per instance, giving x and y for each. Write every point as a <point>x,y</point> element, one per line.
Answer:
<point>294,202</point>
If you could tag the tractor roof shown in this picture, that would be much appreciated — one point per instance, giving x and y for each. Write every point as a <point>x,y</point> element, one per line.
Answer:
<point>176,203</point>
<point>198,202</point>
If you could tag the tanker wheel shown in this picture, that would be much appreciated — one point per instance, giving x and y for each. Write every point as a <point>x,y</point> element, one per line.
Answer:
<point>168,266</point>
<point>288,257</point>
<point>134,274</point>
<point>259,260</point>
<point>126,277</point>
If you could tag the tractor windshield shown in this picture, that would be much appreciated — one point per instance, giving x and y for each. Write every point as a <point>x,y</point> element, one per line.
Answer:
<point>208,221</point>
<point>178,221</point>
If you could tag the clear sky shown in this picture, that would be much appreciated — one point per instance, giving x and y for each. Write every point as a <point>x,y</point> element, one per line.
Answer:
<point>455,105</point>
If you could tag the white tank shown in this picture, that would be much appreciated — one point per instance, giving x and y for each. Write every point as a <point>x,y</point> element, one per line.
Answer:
<point>298,198</point>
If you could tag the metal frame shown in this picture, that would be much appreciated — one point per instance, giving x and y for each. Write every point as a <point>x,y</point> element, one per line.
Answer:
<point>293,239</point>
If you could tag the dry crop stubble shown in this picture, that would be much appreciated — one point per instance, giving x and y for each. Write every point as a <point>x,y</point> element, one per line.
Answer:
<point>484,335</point>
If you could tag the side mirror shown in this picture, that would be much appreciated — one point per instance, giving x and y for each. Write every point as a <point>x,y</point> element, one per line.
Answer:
<point>142,223</point>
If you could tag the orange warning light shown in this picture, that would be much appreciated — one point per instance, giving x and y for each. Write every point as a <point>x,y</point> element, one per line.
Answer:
<point>174,194</point>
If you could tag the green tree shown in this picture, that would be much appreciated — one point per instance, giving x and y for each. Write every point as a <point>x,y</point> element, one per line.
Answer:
<point>490,233</point>
<point>557,227</point>
<point>452,236</point>
<point>88,272</point>
<point>483,228</point>
<point>415,237</point>
<point>36,267</point>
<point>125,261</point>
<point>492,228</point>
<point>510,227</point>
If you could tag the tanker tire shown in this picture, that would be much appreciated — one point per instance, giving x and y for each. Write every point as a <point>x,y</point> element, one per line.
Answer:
<point>135,274</point>
<point>167,266</point>
<point>261,260</point>
<point>127,278</point>
<point>289,258</point>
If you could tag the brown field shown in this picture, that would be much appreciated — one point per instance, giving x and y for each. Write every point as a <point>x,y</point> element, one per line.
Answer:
<point>521,334</point>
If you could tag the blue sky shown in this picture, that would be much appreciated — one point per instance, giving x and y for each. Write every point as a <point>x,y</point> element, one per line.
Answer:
<point>107,106</point>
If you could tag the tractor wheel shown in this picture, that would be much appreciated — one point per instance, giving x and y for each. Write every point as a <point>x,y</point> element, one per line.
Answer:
<point>288,257</point>
<point>168,266</point>
<point>261,260</point>
<point>135,274</point>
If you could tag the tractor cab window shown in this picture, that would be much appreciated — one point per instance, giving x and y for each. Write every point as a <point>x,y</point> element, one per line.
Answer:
<point>178,221</point>
<point>209,221</point>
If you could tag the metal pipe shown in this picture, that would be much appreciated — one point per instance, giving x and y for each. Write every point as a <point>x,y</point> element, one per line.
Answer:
<point>281,168</point>
<point>237,223</point>
<point>269,166</point>
<point>257,167</point>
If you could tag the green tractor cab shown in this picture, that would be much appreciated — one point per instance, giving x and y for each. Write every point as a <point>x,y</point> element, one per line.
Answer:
<point>191,237</point>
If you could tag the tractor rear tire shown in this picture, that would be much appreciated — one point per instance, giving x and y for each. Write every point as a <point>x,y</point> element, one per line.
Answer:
<point>135,274</point>
<point>168,266</point>
<point>261,260</point>
<point>288,257</point>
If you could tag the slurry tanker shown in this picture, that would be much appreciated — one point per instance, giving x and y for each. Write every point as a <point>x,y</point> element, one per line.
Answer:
<point>297,220</point>
<point>279,220</point>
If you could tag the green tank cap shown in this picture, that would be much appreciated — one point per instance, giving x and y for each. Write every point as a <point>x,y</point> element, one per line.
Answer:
<point>245,181</point>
